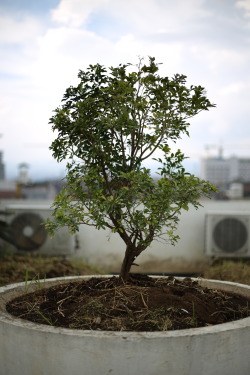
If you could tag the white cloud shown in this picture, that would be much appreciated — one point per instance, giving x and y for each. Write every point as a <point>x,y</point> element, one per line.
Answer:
<point>42,60</point>
<point>18,41</point>
<point>235,88</point>
<point>62,52</point>
<point>224,58</point>
<point>244,4</point>
<point>150,16</point>
<point>142,16</point>
<point>21,31</point>
<point>75,13</point>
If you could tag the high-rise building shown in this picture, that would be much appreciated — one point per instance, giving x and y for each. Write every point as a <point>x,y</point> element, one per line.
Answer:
<point>240,169</point>
<point>221,172</point>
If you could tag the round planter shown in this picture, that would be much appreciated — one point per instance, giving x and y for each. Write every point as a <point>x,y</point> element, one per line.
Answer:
<point>32,349</point>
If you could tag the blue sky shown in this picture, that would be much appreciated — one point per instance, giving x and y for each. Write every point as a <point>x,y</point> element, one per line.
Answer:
<point>43,44</point>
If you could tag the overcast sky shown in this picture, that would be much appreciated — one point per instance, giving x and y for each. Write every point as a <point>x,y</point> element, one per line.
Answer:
<point>44,43</point>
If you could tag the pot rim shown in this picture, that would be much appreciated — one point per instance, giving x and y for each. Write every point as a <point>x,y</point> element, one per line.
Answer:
<point>7,318</point>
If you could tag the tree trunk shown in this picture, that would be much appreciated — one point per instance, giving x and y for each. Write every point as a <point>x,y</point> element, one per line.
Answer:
<point>128,260</point>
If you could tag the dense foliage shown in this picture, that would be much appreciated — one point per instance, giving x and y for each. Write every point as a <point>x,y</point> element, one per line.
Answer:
<point>107,127</point>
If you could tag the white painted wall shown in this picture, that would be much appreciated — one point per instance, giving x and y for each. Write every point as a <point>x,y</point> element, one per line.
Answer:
<point>106,250</point>
<point>187,256</point>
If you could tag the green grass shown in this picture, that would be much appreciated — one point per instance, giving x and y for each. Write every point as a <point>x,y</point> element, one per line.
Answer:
<point>237,271</point>
<point>23,268</point>
<point>19,268</point>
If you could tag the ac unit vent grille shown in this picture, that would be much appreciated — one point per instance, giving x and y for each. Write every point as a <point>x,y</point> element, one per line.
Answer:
<point>227,234</point>
<point>28,231</point>
<point>230,235</point>
<point>29,234</point>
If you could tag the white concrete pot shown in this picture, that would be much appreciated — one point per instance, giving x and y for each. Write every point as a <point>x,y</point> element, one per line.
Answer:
<point>27,348</point>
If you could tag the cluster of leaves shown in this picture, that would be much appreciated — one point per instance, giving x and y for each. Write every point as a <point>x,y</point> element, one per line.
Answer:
<point>107,127</point>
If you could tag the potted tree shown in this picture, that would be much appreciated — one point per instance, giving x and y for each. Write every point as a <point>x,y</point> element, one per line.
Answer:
<point>107,127</point>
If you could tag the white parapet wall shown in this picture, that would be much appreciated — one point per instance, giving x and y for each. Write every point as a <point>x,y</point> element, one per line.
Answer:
<point>187,256</point>
<point>106,249</point>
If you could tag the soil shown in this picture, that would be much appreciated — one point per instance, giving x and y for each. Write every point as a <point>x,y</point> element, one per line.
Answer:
<point>142,304</point>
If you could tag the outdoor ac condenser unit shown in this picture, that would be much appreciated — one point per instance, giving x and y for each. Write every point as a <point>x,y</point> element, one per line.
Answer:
<point>227,234</point>
<point>30,235</point>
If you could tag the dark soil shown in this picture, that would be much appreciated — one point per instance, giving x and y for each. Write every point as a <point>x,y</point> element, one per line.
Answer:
<point>143,304</point>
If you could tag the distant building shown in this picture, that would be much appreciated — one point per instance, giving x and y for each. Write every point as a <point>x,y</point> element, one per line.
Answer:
<point>240,169</point>
<point>223,172</point>
<point>8,190</point>
<point>46,190</point>
<point>2,167</point>
<point>23,177</point>
<point>216,171</point>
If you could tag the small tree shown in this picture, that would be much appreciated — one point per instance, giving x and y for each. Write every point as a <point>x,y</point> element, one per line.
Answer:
<point>107,127</point>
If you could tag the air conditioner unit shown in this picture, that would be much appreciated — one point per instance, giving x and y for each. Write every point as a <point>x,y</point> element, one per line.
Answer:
<point>227,234</point>
<point>30,235</point>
